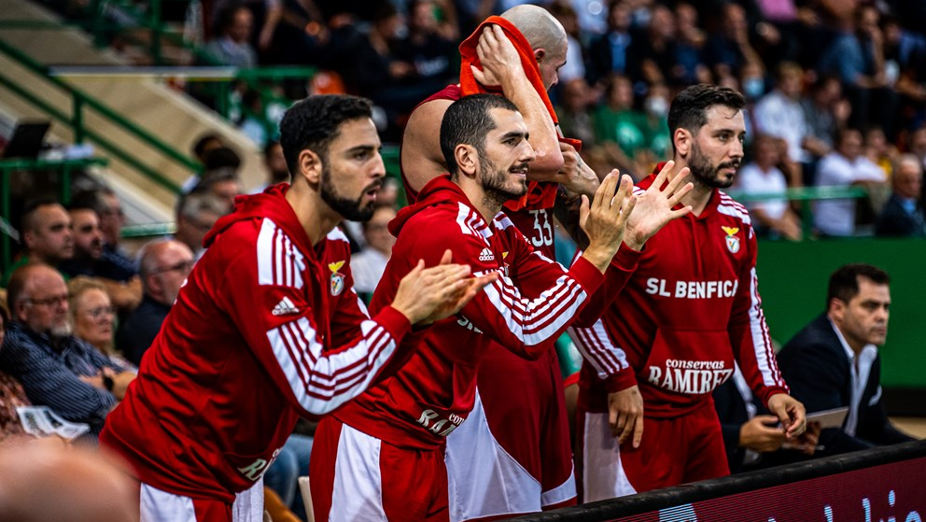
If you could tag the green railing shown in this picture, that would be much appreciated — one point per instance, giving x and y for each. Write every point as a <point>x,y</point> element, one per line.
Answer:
<point>159,33</point>
<point>806,196</point>
<point>81,101</point>
<point>8,166</point>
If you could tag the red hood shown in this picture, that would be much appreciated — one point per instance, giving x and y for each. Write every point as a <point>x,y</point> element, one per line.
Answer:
<point>272,204</point>
<point>438,191</point>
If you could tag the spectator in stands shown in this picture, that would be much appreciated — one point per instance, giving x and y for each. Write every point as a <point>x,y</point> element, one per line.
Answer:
<point>205,143</point>
<point>618,123</point>
<point>164,265</point>
<point>880,151</point>
<point>608,55</point>
<point>104,201</point>
<point>779,114</point>
<point>368,265</point>
<point>856,56</point>
<point>575,63</point>
<point>275,163</point>
<point>93,317</point>
<point>123,286</point>
<point>46,235</point>
<point>575,120</point>
<point>825,112</point>
<point>762,176</point>
<point>689,51</point>
<point>902,215</point>
<point>220,158</point>
<point>222,183</point>
<point>233,47</point>
<point>654,54</point>
<point>12,393</point>
<point>834,362</point>
<point>375,69</point>
<point>196,213</point>
<point>216,158</point>
<point>432,56</point>
<point>56,369</point>
<point>844,167</point>
<point>728,50</point>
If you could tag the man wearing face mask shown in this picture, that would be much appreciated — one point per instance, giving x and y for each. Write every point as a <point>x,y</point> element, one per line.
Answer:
<point>691,309</point>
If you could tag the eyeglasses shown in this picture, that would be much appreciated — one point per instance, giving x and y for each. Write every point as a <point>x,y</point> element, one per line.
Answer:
<point>97,312</point>
<point>49,301</point>
<point>183,266</point>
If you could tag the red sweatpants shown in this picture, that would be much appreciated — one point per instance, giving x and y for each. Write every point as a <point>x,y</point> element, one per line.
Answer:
<point>355,476</point>
<point>673,451</point>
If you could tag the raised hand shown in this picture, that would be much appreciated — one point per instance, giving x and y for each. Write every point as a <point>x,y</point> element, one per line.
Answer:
<point>605,219</point>
<point>429,294</point>
<point>655,206</point>
<point>498,57</point>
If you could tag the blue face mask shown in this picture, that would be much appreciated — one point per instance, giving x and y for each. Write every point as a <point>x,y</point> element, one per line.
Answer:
<point>754,87</point>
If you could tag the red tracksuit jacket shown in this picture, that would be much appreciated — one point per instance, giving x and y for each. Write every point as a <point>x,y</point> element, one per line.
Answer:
<point>433,392</point>
<point>266,328</point>
<point>691,307</point>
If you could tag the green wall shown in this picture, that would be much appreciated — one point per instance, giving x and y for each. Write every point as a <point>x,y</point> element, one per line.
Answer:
<point>793,279</point>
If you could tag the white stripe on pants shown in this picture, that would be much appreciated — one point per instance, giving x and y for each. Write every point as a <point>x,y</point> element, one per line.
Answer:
<point>160,506</point>
<point>603,476</point>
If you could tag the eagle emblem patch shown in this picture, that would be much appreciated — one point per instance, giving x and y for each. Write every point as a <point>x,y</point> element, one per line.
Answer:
<point>732,240</point>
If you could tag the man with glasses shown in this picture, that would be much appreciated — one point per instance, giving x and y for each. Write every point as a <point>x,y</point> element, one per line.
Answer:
<point>164,266</point>
<point>55,368</point>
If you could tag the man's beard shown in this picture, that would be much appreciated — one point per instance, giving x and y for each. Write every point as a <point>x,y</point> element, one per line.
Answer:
<point>353,210</point>
<point>707,175</point>
<point>494,183</point>
<point>60,330</point>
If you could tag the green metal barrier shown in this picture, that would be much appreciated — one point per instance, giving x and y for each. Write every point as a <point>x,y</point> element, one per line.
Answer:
<point>82,101</point>
<point>8,166</point>
<point>806,195</point>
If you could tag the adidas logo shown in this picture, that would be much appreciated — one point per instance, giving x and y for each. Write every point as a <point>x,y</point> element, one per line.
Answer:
<point>486,255</point>
<point>284,307</point>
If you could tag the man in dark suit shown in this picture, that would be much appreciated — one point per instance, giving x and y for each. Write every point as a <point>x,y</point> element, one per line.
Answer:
<point>902,215</point>
<point>834,360</point>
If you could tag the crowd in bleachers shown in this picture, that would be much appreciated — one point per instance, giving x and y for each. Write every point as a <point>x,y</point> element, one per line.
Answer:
<point>809,70</point>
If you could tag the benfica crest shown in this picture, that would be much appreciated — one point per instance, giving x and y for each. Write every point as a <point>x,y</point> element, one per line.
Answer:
<point>732,240</point>
<point>336,285</point>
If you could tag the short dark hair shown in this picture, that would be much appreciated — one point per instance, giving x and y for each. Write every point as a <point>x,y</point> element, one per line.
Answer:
<point>200,146</point>
<point>312,123</point>
<point>467,122</point>
<point>221,157</point>
<point>27,218</point>
<point>844,281</point>
<point>688,109</point>
<point>86,200</point>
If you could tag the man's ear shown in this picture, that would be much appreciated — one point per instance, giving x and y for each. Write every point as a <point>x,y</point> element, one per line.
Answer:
<point>467,160</point>
<point>28,239</point>
<point>309,166</point>
<point>836,309</point>
<point>682,139</point>
<point>539,55</point>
